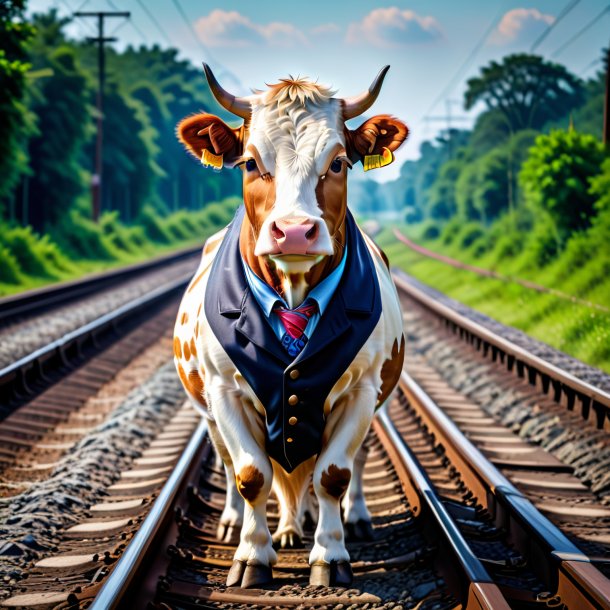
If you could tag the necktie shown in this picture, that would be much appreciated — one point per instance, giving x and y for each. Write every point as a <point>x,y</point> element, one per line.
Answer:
<point>295,321</point>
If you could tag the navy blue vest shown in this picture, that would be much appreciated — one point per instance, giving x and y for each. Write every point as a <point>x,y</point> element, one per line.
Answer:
<point>292,391</point>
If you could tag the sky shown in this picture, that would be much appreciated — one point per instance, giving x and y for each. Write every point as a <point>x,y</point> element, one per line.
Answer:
<point>432,46</point>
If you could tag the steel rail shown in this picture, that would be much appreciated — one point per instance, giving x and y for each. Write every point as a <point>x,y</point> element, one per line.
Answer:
<point>591,397</point>
<point>558,562</point>
<point>14,376</point>
<point>481,592</point>
<point>31,301</point>
<point>132,562</point>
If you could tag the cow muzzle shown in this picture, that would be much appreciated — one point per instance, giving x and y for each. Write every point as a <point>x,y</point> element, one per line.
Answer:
<point>294,240</point>
<point>294,235</point>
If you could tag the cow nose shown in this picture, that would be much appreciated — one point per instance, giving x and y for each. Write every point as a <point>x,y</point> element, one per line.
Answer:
<point>294,235</point>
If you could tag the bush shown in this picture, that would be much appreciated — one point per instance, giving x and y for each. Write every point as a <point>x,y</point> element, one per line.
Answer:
<point>480,246</point>
<point>542,245</point>
<point>9,269</point>
<point>430,230</point>
<point>27,249</point>
<point>556,178</point>
<point>128,239</point>
<point>468,234</point>
<point>153,226</point>
<point>83,238</point>
<point>217,214</point>
<point>451,230</point>
<point>507,246</point>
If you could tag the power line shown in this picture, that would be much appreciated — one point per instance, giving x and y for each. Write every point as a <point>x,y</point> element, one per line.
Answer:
<point>566,9</point>
<point>81,21</point>
<point>155,22</point>
<point>589,66</point>
<point>206,52</point>
<point>467,61</point>
<point>190,27</point>
<point>130,20</point>
<point>581,32</point>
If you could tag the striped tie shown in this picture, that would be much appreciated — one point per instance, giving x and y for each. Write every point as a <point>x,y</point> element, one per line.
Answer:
<point>295,321</point>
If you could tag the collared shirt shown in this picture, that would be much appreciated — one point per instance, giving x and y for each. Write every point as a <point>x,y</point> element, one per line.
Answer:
<point>268,298</point>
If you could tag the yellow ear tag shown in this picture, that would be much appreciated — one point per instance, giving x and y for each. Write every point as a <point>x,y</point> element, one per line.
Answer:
<point>375,161</point>
<point>209,159</point>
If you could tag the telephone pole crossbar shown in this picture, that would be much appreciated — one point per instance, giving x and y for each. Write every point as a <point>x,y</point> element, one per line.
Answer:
<point>100,40</point>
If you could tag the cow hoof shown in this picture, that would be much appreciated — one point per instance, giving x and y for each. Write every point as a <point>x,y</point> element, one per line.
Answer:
<point>360,531</point>
<point>333,574</point>
<point>288,540</point>
<point>248,576</point>
<point>229,534</point>
<point>236,573</point>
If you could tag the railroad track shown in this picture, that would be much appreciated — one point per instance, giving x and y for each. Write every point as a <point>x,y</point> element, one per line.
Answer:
<point>29,303</point>
<point>451,529</point>
<point>450,532</point>
<point>80,319</point>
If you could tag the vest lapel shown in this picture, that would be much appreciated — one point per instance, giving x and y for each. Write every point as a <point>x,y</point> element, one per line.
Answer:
<point>253,325</point>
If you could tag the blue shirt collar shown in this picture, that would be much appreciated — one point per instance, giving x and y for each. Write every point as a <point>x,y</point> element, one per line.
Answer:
<point>267,297</point>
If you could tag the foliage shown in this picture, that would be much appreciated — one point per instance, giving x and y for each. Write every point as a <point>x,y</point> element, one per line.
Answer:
<point>15,121</point>
<point>556,178</point>
<point>79,244</point>
<point>61,105</point>
<point>441,203</point>
<point>526,89</point>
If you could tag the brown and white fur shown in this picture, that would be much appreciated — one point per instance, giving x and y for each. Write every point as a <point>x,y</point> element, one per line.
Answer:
<point>292,237</point>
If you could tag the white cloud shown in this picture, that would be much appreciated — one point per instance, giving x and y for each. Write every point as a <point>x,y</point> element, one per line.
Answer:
<point>325,29</point>
<point>393,27</point>
<point>521,25</point>
<point>232,29</point>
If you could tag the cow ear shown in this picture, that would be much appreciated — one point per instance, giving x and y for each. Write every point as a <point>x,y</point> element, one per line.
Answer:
<point>206,132</point>
<point>375,134</point>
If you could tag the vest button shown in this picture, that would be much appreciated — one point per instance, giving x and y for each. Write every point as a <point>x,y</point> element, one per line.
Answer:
<point>292,421</point>
<point>289,440</point>
<point>293,400</point>
<point>294,374</point>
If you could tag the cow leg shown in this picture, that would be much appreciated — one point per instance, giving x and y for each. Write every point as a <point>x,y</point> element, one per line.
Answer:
<point>356,516</point>
<point>243,433</point>
<point>231,518</point>
<point>345,431</point>
<point>290,489</point>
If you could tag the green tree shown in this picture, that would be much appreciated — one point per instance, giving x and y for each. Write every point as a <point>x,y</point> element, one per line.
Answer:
<point>64,122</point>
<point>526,89</point>
<point>15,121</point>
<point>441,198</point>
<point>556,177</point>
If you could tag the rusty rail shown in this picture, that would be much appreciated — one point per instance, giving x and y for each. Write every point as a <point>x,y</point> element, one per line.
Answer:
<point>553,380</point>
<point>559,563</point>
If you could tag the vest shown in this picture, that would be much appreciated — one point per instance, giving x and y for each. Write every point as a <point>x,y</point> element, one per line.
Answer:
<point>293,391</point>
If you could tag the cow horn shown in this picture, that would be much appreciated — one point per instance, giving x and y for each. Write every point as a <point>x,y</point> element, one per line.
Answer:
<point>355,106</point>
<point>237,105</point>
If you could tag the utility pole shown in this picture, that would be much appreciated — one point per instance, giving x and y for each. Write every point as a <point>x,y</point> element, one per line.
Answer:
<point>96,182</point>
<point>606,134</point>
<point>448,119</point>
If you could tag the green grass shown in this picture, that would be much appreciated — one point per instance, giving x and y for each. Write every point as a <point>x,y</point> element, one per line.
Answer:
<point>80,247</point>
<point>576,329</point>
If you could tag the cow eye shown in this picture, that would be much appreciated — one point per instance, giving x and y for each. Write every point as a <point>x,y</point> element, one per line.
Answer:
<point>335,166</point>
<point>250,165</point>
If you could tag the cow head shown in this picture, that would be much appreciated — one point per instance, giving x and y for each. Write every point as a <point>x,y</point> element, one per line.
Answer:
<point>294,150</point>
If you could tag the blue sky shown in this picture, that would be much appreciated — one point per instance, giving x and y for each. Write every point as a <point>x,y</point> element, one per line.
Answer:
<point>344,44</point>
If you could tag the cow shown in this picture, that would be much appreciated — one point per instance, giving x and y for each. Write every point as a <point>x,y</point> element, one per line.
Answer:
<point>290,333</point>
